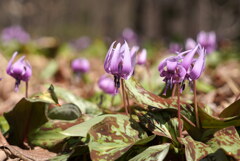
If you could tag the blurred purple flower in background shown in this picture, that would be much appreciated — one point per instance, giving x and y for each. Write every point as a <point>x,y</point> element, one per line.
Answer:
<point>175,47</point>
<point>208,41</point>
<point>106,84</point>
<point>15,33</point>
<point>190,44</point>
<point>119,62</point>
<point>130,36</point>
<point>80,65</point>
<point>81,43</point>
<point>21,70</point>
<point>184,66</point>
<point>142,57</point>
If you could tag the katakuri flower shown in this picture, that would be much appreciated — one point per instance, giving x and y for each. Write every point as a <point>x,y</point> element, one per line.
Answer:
<point>119,62</point>
<point>80,65</point>
<point>106,84</point>
<point>15,33</point>
<point>21,70</point>
<point>190,44</point>
<point>208,41</point>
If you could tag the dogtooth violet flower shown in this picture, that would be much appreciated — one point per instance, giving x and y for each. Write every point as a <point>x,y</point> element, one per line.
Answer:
<point>80,65</point>
<point>106,84</point>
<point>207,40</point>
<point>174,47</point>
<point>119,62</point>
<point>190,44</point>
<point>21,70</point>
<point>16,33</point>
<point>184,66</point>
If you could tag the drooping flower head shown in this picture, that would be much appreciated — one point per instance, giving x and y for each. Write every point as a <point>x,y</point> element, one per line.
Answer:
<point>207,40</point>
<point>16,33</point>
<point>119,62</point>
<point>106,84</point>
<point>184,66</point>
<point>80,65</point>
<point>21,70</point>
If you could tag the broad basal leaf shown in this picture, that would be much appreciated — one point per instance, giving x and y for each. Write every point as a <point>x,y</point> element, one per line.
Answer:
<point>195,150</point>
<point>48,135</point>
<point>85,106</point>
<point>227,139</point>
<point>112,137</point>
<point>26,116</point>
<point>67,111</point>
<point>208,121</point>
<point>153,153</point>
<point>232,110</point>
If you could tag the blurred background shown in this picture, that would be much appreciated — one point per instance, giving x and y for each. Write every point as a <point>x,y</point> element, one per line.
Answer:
<point>150,19</point>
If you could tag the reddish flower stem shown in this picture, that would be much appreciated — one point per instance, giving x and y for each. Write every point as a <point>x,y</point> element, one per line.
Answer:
<point>174,90</point>
<point>123,97</point>
<point>195,103</point>
<point>179,112</point>
<point>26,92</point>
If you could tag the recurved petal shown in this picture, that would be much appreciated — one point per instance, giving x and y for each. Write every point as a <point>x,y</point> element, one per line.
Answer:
<point>198,66</point>
<point>187,60</point>
<point>28,72</point>
<point>10,63</point>
<point>171,65</point>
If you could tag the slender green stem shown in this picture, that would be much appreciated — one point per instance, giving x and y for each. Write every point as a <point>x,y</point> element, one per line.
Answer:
<point>179,112</point>
<point>123,97</point>
<point>195,104</point>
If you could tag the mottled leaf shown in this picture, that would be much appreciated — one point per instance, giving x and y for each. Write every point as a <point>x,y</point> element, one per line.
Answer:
<point>67,111</point>
<point>83,128</point>
<point>195,150</point>
<point>208,121</point>
<point>27,115</point>
<point>112,137</point>
<point>161,123</point>
<point>227,139</point>
<point>85,106</point>
<point>63,157</point>
<point>153,153</point>
<point>145,98</point>
<point>232,110</point>
<point>48,135</point>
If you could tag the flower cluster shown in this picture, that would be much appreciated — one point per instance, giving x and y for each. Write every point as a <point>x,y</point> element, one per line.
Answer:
<point>206,39</point>
<point>21,70</point>
<point>184,66</point>
<point>15,33</point>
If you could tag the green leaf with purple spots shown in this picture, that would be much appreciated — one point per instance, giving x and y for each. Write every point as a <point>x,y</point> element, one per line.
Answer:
<point>48,135</point>
<point>157,152</point>
<point>228,140</point>
<point>112,137</point>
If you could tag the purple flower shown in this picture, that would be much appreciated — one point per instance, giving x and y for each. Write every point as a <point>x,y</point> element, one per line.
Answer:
<point>174,47</point>
<point>80,65</point>
<point>15,33</point>
<point>81,43</point>
<point>21,70</point>
<point>142,57</point>
<point>107,85</point>
<point>190,44</point>
<point>208,41</point>
<point>130,36</point>
<point>184,66</point>
<point>119,62</point>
